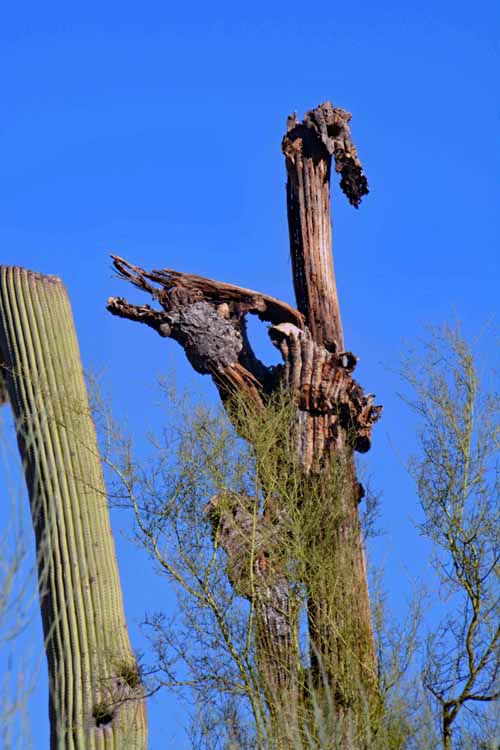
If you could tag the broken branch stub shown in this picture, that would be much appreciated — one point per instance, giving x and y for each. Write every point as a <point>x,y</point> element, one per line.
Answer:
<point>207,318</point>
<point>325,132</point>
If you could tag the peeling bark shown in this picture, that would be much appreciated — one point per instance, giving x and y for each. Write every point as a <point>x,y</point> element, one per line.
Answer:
<point>207,318</point>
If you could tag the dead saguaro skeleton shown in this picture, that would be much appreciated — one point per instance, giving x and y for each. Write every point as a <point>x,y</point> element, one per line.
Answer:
<point>334,417</point>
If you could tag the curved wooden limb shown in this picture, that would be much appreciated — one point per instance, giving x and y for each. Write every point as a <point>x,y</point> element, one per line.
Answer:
<point>210,327</point>
<point>177,288</point>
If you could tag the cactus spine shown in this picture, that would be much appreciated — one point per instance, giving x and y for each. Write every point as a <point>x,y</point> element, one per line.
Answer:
<point>95,693</point>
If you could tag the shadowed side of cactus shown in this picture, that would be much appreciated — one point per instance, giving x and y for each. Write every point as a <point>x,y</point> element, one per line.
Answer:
<point>95,692</point>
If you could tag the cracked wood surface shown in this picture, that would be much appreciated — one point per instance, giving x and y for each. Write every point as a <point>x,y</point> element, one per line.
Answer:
<point>325,391</point>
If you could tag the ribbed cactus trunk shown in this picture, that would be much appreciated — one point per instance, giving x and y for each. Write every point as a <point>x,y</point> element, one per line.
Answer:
<point>95,692</point>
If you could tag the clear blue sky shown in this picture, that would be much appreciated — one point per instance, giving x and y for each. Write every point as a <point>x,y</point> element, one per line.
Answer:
<point>153,130</point>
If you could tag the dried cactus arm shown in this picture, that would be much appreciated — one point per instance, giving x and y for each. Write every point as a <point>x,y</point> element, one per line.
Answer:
<point>93,701</point>
<point>208,319</point>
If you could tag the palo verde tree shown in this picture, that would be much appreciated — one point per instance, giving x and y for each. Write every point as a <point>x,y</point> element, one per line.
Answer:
<point>332,418</point>
<point>95,692</point>
<point>457,471</point>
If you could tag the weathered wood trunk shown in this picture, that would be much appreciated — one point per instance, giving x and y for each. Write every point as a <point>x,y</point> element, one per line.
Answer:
<point>339,610</point>
<point>333,416</point>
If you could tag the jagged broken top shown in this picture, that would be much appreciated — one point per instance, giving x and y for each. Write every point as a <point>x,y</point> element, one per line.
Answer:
<point>325,132</point>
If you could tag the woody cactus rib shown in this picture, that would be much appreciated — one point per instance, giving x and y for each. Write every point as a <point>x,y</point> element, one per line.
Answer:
<point>95,693</point>
<point>339,608</point>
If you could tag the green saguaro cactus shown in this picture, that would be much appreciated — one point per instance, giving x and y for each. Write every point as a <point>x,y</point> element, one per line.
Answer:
<point>95,692</point>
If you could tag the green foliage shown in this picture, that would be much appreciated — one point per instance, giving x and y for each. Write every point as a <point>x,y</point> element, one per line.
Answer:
<point>457,471</point>
<point>279,519</point>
